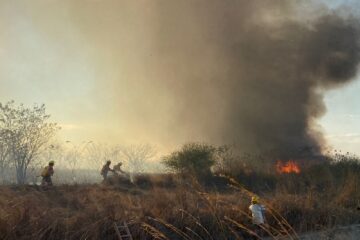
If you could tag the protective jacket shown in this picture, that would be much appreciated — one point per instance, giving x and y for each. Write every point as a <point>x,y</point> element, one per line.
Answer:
<point>48,171</point>
<point>105,169</point>
<point>257,213</point>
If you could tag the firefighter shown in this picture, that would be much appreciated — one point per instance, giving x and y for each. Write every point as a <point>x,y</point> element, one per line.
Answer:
<point>258,215</point>
<point>47,173</point>
<point>117,168</point>
<point>105,169</point>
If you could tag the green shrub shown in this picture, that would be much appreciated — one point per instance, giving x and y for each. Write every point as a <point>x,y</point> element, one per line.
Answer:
<point>193,158</point>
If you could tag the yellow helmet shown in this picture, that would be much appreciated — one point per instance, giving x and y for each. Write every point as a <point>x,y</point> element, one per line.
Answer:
<point>51,163</point>
<point>254,199</point>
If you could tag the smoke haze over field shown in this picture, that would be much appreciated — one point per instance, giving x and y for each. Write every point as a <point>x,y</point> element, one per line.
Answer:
<point>246,72</point>
<point>250,74</point>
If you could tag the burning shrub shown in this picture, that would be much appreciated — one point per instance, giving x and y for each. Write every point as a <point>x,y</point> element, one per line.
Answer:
<point>288,167</point>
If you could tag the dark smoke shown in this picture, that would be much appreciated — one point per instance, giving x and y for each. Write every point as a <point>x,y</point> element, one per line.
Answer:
<point>252,72</point>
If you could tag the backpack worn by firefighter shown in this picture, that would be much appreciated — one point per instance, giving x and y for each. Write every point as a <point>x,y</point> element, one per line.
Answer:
<point>47,173</point>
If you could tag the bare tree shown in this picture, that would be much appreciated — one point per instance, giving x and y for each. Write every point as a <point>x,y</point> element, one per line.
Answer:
<point>4,158</point>
<point>24,131</point>
<point>75,156</point>
<point>98,153</point>
<point>54,151</point>
<point>137,156</point>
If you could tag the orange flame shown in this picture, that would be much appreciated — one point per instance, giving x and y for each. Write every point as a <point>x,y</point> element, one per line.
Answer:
<point>288,167</point>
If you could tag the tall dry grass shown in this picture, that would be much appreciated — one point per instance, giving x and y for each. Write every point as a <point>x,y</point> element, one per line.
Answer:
<point>163,207</point>
<point>88,212</point>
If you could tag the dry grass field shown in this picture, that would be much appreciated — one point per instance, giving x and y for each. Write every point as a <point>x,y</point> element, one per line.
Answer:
<point>167,207</point>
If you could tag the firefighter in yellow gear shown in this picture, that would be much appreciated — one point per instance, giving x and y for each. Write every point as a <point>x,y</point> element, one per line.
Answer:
<point>47,173</point>
<point>258,216</point>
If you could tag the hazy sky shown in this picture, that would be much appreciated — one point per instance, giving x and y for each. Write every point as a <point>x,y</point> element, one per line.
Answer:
<point>341,123</point>
<point>84,61</point>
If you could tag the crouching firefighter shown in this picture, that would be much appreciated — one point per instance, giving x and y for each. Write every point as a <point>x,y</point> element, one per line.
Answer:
<point>47,173</point>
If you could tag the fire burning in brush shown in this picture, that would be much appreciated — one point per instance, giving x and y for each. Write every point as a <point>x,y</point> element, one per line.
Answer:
<point>287,167</point>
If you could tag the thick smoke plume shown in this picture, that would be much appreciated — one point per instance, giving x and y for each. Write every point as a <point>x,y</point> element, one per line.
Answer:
<point>246,72</point>
<point>253,72</point>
